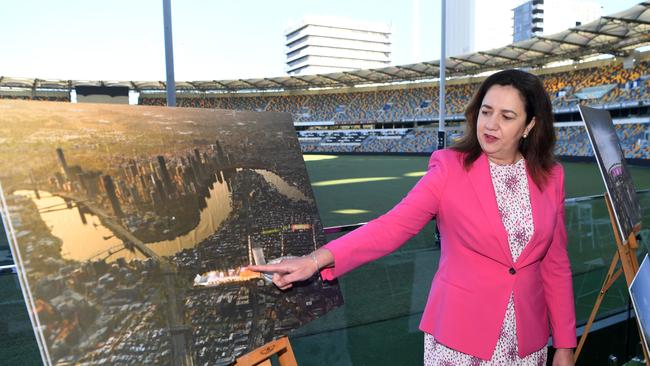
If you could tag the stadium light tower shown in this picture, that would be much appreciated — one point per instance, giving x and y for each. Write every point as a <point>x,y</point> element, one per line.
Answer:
<point>169,54</point>
<point>441,82</point>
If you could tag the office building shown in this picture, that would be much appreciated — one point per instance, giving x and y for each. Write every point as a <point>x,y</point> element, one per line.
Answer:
<point>542,17</point>
<point>325,45</point>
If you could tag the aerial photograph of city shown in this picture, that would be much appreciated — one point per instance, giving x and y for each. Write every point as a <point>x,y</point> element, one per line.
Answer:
<point>614,170</point>
<point>132,227</point>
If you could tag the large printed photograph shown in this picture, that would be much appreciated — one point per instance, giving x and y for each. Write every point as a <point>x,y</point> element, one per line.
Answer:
<point>640,295</point>
<point>132,228</point>
<point>613,168</point>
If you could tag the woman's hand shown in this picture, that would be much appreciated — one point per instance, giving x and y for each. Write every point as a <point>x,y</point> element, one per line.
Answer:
<point>288,271</point>
<point>563,357</point>
<point>296,269</point>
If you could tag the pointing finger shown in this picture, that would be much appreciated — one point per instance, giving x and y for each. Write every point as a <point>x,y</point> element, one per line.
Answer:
<point>275,268</point>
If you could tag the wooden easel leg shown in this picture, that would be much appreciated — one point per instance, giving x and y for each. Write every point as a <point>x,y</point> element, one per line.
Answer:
<point>262,355</point>
<point>286,357</point>
<point>630,265</point>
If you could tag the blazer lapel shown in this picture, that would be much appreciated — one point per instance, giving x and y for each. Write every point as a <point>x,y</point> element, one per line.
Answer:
<point>538,208</point>
<point>481,179</point>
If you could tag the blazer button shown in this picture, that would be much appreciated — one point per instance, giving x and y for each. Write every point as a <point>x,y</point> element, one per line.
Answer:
<point>512,271</point>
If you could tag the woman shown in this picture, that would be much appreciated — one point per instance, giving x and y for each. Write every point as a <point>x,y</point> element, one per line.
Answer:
<point>498,200</point>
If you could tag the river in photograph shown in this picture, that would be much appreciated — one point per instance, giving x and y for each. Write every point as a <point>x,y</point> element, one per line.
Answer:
<point>91,240</point>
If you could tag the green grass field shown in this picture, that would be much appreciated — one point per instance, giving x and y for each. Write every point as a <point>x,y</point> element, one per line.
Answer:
<point>378,325</point>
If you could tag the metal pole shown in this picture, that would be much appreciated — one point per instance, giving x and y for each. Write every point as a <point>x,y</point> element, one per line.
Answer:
<point>441,83</point>
<point>169,53</point>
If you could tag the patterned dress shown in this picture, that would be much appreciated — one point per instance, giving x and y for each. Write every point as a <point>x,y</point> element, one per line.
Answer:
<point>513,200</point>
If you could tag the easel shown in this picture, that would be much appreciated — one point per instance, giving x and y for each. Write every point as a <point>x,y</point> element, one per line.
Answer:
<point>262,355</point>
<point>626,253</point>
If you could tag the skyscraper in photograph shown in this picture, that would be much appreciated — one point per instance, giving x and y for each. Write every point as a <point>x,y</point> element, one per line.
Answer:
<point>109,186</point>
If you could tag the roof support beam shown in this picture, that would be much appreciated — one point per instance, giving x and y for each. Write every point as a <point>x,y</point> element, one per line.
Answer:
<point>413,70</point>
<point>358,76</point>
<point>193,85</point>
<point>392,76</point>
<point>627,20</point>
<point>497,55</point>
<point>467,61</point>
<point>303,80</point>
<point>432,65</point>
<point>530,50</point>
<point>560,41</point>
<point>597,33</point>
<point>324,76</point>
<point>249,83</point>
<point>275,82</point>
<point>222,85</point>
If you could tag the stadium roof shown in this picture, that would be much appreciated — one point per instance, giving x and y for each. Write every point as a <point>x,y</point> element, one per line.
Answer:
<point>616,34</point>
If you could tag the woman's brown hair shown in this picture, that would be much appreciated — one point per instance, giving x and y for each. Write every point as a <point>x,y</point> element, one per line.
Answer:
<point>537,147</point>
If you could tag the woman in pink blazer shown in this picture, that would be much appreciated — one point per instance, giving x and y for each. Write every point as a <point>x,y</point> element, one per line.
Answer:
<point>504,280</point>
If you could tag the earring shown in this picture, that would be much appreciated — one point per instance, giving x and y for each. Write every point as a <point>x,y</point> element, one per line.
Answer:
<point>525,135</point>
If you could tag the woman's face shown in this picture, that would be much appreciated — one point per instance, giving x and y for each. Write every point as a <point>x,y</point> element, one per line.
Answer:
<point>502,123</point>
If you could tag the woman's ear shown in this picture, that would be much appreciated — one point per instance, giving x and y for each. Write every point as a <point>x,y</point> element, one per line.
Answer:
<point>529,127</point>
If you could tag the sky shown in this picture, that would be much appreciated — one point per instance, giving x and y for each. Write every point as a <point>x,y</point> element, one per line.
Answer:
<point>213,39</point>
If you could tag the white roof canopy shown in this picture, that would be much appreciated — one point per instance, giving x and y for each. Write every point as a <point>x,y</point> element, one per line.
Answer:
<point>616,34</point>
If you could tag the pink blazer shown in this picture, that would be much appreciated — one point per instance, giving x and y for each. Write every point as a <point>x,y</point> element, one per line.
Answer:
<point>476,274</point>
